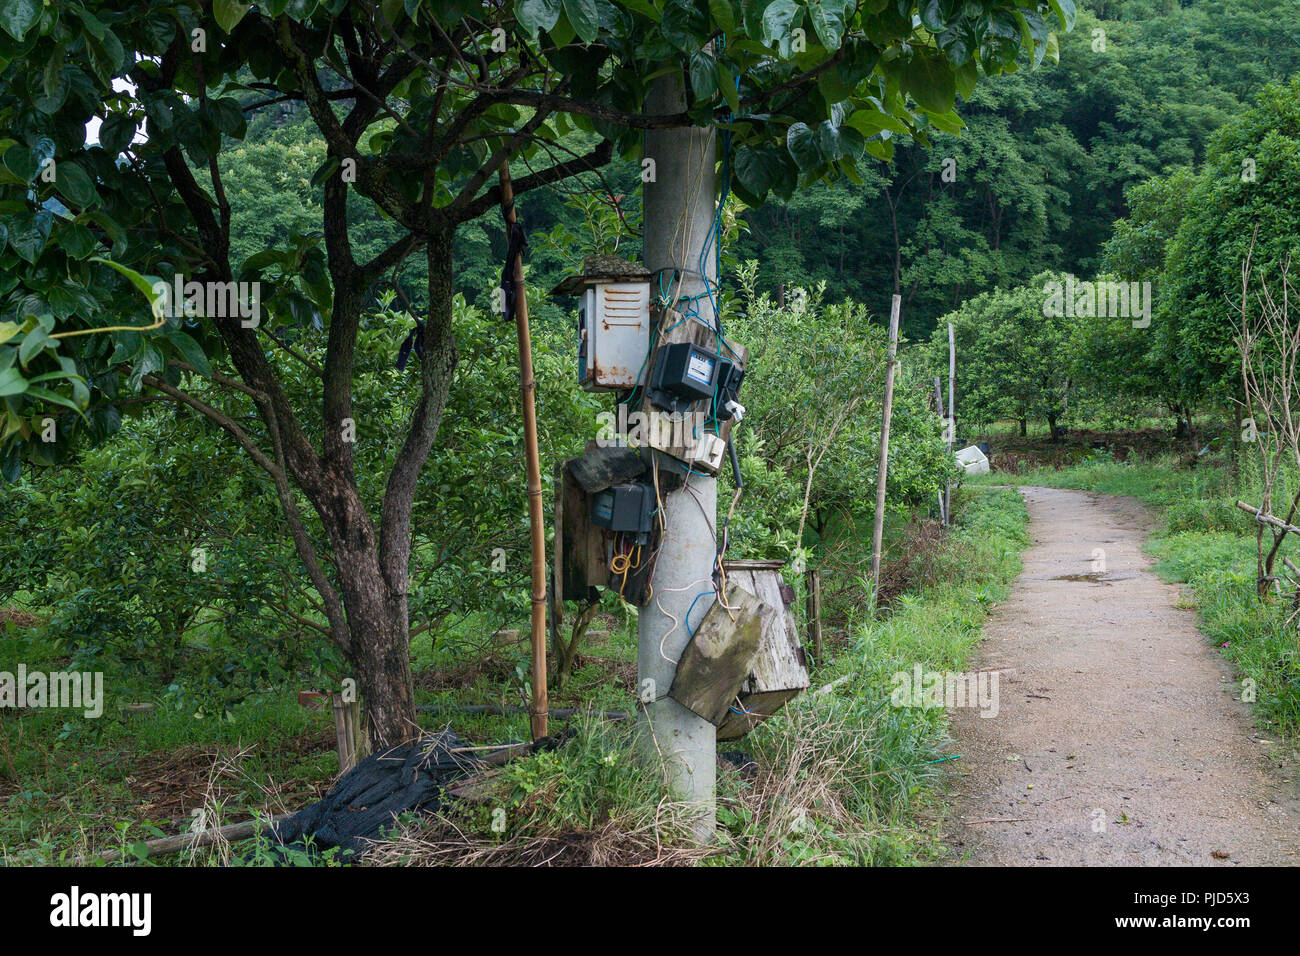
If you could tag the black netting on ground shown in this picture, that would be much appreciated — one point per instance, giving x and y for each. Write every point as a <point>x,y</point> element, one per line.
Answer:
<point>368,798</point>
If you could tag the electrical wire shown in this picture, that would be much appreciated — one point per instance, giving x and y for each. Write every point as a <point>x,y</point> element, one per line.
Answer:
<point>676,623</point>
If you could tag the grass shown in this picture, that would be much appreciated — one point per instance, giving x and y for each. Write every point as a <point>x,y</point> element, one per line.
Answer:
<point>1203,541</point>
<point>838,777</point>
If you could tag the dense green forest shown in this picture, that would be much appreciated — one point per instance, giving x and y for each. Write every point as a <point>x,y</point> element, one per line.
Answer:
<point>1069,168</point>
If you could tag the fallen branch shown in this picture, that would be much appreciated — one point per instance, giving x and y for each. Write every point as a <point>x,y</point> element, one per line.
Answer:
<point>186,841</point>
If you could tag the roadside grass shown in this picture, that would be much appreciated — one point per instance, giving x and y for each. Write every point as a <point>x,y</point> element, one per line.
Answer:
<point>1203,541</point>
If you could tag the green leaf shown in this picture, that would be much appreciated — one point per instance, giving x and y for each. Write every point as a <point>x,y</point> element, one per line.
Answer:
<point>116,133</point>
<point>229,117</point>
<point>948,122</point>
<point>71,180</point>
<point>11,466</point>
<point>150,361</point>
<point>931,82</point>
<point>704,76</point>
<point>50,78</point>
<point>932,15</point>
<point>870,122</point>
<point>536,15</point>
<point>19,16</point>
<point>685,25</point>
<point>758,169</point>
<point>105,55</point>
<point>584,15</point>
<point>191,352</point>
<point>801,141</point>
<point>26,163</point>
<point>1053,49</point>
<point>12,382</point>
<point>28,233</point>
<point>828,19</point>
<point>966,77</point>
<point>35,341</point>
<point>778,18</point>
<point>144,283</point>
<point>8,330</point>
<point>724,15</point>
<point>839,142</point>
<point>229,13</point>
<point>54,398</point>
<point>727,83</point>
<point>77,241</point>
<point>1065,12</point>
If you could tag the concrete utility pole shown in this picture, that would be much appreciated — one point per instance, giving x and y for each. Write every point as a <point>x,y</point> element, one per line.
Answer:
<point>679,209</point>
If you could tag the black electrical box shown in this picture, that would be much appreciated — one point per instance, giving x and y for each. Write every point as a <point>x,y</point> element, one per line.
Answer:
<point>728,379</point>
<point>628,509</point>
<point>684,374</point>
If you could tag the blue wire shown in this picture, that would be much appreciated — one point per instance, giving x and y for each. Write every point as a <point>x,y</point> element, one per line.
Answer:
<point>689,630</point>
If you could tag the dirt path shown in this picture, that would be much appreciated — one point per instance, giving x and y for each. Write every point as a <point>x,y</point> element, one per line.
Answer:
<point>1119,712</point>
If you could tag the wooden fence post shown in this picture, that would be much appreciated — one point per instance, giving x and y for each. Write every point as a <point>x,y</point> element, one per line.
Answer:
<point>878,529</point>
<point>952,416</point>
<point>814,581</point>
<point>943,492</point>
<point>349,732</point>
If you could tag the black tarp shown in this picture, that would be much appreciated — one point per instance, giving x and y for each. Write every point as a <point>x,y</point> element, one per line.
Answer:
<point>369,797</point>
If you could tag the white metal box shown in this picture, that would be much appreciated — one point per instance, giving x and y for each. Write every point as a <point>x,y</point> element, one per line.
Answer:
<point>614,323</point>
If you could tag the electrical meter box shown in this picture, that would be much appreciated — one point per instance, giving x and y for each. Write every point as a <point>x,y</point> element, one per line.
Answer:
<point>614,335</point>
<point>626,509</point>
<point>684,374</point>
<point>613,322</point>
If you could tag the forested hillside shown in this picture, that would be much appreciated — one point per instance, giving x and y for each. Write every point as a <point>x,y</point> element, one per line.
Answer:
<point>1034,181</point>
<point>1039,175</point>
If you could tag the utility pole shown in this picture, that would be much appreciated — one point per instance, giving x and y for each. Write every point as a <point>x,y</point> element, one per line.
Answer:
<point>680,200</point>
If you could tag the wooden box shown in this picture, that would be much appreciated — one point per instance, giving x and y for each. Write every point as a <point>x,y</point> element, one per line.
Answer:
<point>779,671</point>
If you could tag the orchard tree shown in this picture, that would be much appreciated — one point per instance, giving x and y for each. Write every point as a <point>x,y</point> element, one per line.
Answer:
<point>1243,204</point>
<point>1014,354</point>
<point>420,103</point>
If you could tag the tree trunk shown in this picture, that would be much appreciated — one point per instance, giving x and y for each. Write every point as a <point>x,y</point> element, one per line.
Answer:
<point>372,563</point>
<point>383,664</point>
<point>1024,428</point>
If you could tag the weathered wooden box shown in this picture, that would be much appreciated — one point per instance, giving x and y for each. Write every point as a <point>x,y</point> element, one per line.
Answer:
<point>779,671</point>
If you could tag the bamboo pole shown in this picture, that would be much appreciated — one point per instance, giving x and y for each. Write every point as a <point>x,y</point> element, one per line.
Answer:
<point>1267,519</point>
<point>537,533</point>
<point>878,528</point>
